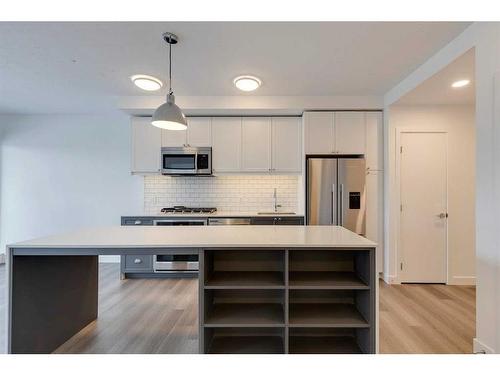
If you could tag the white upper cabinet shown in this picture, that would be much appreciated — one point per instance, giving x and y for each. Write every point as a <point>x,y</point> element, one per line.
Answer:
<point>173,138</point>
<point>374,145</point>
<point>146,144</point>
<point>334,132</point>
<point>286,136</point>
<point>199,132</point>
<point>256,144</point>
<point>319,132</point>
<point>226,144</point>
<point>350,133</point>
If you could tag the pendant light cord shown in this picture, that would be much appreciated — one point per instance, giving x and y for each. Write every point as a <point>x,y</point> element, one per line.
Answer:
<point>170,92</point>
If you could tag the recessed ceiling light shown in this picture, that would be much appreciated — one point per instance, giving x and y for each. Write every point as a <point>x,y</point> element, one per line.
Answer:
<point>147,83</point>
<point>461,83</point>
<point>247,83</point>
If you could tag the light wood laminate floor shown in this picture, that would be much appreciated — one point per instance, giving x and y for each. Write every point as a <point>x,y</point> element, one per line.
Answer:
<point>160,316</point>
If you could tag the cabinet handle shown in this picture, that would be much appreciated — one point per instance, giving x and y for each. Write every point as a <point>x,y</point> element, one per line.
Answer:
<point>137,260</point>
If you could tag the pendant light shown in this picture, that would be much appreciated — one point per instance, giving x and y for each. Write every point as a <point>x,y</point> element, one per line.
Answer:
<point>169,116</point>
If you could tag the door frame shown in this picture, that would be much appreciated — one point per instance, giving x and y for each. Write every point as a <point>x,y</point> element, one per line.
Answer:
<point>399,253</point>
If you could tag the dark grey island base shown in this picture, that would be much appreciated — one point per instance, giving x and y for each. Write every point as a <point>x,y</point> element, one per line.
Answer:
<point>260,299</point>
<point>138,267</point>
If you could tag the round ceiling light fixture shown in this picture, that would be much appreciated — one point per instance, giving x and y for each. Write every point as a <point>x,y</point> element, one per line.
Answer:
<point>169,116</point>
<point>145,82</point>
<point>247,83</point>
<point>460,83</point>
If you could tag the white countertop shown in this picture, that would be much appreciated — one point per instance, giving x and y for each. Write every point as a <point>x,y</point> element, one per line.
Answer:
<point>202,237</point>
<point>217,214</point>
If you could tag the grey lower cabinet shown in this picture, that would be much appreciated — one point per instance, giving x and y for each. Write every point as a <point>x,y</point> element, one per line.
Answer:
<point>277,220</point>
<point>287,301</point>
<point>136,265</point>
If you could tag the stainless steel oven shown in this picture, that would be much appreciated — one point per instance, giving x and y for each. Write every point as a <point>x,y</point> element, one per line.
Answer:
<point>177,263</point>
<point>191,161</point>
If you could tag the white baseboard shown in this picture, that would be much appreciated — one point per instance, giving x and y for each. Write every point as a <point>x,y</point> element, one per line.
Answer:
<point>463,280</point>
<point>479,348</point>
<point>109,259</point>
<point>389,279</point>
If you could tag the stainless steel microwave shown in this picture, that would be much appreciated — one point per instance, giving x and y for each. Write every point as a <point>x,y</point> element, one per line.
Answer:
<point>194,161</point>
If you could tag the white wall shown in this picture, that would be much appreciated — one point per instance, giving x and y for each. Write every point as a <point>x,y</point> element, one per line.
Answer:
<point>458,122</point>
<point>485,38</point>
<point>64,172</point>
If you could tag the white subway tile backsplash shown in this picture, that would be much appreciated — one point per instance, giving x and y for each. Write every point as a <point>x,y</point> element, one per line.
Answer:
<point>227,193</point>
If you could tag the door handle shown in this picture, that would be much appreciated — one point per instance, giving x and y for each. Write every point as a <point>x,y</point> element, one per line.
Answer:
<point>333,204</point>
<point>341,211</point>
<point>442,215</point>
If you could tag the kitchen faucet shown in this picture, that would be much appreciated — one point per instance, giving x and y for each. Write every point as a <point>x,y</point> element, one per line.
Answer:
<point>276,205</point>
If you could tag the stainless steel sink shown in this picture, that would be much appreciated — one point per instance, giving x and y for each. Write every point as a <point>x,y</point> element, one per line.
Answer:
<point>276,213</point>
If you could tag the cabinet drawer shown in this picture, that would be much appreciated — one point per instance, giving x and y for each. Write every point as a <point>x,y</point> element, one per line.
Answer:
<point>138,263</point>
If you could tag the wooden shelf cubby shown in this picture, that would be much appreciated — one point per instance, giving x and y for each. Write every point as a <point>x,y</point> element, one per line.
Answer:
<point>244,308</point>
<point>328,308</point>
<point>323,269</point>
<point>287,301</point>
<point>245,340</point>
<point>327,341</point>
<point>244,269</point>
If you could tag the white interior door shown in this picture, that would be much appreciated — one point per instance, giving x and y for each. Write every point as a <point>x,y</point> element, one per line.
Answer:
<point>423,223</point>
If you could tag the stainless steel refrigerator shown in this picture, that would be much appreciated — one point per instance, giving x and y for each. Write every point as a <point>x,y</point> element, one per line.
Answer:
<point>336,192</point>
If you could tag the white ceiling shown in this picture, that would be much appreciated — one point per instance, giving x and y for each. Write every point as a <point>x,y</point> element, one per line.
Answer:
<point>437,90</point>
<point>85,67</point>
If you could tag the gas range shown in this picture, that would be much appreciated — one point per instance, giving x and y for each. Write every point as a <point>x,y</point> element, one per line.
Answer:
<point>188,210</point>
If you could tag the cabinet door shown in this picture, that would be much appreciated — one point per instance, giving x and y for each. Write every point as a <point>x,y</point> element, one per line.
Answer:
<point>319,136</point>
<point>262,220</point>
<point>286,144</point>
<point>226,144</point>
<point>173,138</point>
<point>256,144</point>
<point>199,132</point>
<point>374,141</point>
<point>350,133</point>
<point>289,221</point>
<point>146,145</point>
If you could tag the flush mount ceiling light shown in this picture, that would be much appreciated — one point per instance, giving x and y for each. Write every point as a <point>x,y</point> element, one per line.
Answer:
<point>247,83</point>
<point>145,82</point>
<point>460,83</point>
<point>169,116</point>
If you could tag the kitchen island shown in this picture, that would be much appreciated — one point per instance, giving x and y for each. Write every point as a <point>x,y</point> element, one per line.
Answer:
<point>276,289</point>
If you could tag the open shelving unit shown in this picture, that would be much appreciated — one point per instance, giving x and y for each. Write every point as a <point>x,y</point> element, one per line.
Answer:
<point>287,301</point>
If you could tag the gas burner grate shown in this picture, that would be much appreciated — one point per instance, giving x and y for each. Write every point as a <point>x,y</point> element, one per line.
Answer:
<point>188,210</point>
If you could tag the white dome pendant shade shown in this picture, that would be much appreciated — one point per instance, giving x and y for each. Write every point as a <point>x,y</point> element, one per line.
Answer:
<point>169,116</point>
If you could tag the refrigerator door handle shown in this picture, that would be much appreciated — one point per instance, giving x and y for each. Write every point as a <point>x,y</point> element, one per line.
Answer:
<point>341,204</point>
<point>333,204</point>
